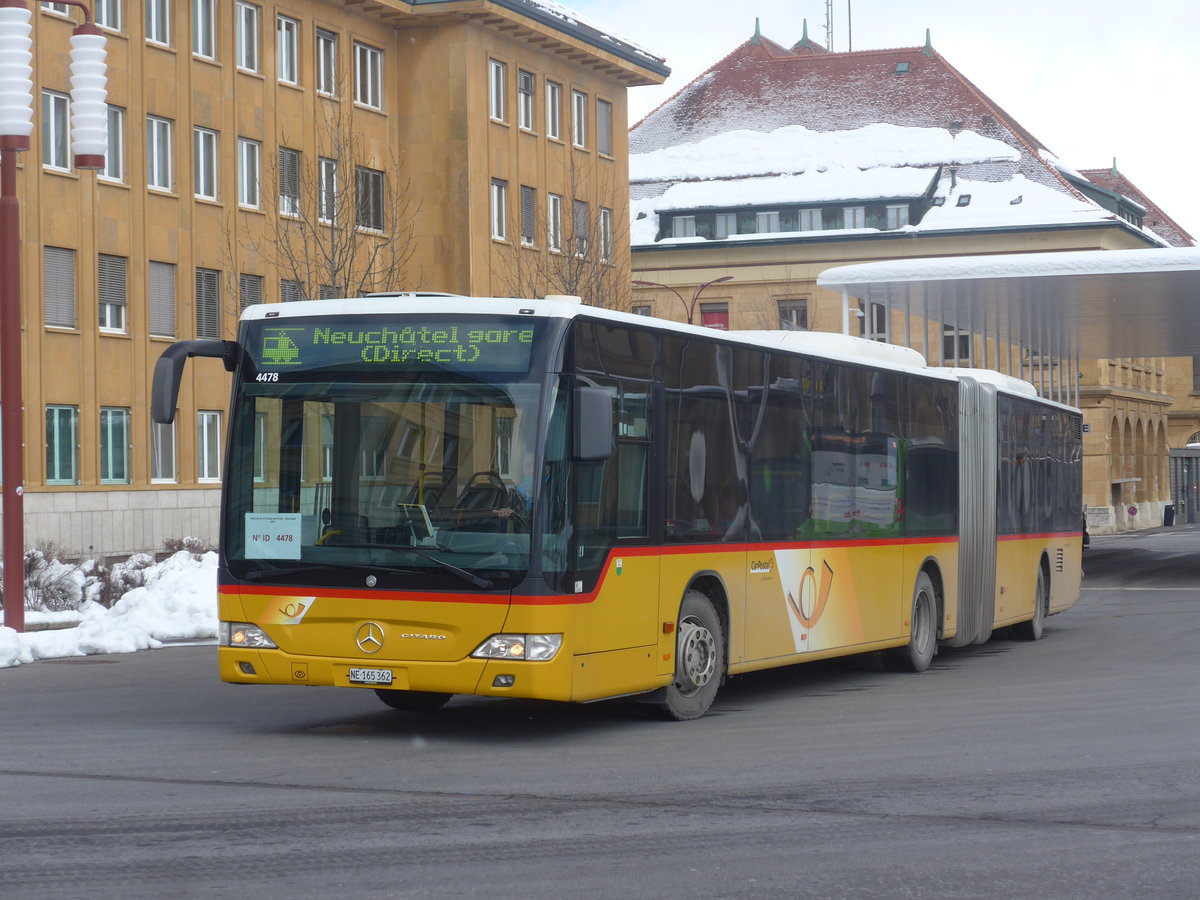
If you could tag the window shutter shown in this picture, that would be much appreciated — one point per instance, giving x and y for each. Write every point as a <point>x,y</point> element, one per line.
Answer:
<point>289,181</point>
<point>604,127</point>
<point>208,304</point>
<point>528,213</point>
<point>250,288</point>
<point>112,280</point>
<point>60,286</point>
<point>162,299</point>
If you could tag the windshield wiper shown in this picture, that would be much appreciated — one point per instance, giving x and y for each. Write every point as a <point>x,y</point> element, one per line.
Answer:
<point>471,577</point>
<point>272,570</point>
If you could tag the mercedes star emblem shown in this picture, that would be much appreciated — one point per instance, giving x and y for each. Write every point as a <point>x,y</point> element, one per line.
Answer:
<point>369,637</point>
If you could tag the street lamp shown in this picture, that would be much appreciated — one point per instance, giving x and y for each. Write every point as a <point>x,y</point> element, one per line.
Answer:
<point>688,308</point>
<point>89,140</point>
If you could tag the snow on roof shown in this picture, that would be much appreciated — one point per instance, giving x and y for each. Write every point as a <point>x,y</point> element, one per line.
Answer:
<point>570,17</point>
<point>1023,265</point>
<point>807,187</point>
<point>795,148</point>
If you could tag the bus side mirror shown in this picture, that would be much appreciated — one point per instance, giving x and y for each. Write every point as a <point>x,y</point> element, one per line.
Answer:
<point>593,436</point>
<point>168,372</point>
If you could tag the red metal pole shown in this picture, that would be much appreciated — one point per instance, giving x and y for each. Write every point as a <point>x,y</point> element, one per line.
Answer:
<point>11,400</point>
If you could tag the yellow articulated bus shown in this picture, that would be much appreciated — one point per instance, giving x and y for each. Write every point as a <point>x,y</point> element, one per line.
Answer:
<point>428,495</point>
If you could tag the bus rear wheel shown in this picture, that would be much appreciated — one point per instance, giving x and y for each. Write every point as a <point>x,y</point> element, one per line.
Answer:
<point>699,660</point>
<point>917,654</point>
<point>413,701</point>
<point>1033,629</point>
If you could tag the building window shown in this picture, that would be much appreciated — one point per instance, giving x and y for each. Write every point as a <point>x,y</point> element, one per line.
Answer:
<point>113,278</point>
<point>369,198</point>
<point>715,315</point>
<point>897,216</point>
<point>579,228</point>
<point>248,172</point>
<point>956,346</point>
<point>158,153</point>
<point>328,292</point>
<point>368,76</point>
<point>250,290</point>
<point>204,28</point>
<point>876,322</point>
<point>62,445</point>
<point>499,209</point>
<point>208,445</point>
<point>579,119</point>
<point>327,43</point>
<point>606,238</point>
<point>59,266</point>
<point>327,195</point>
<point>108,14</point>
<point>204,163</point>
<point>554,222</point>
<point>162,452</point>
<point>810,220</point>
<point>642,310</point>
<point>287,49</point>
<point>683,226</point>
<point>56,131</point>
<point>526,83</point>
<point>724,224</point>
<point>247,27</point>
<point>793,315</point>
<point>208,304</point>
<point>497,75</point>
<point>114,446</point>
<point>60,8</point>
<point>553,110</point>
<point>854,217</point>
<point>158,22</point>
<point>162,299</point>
<point>766,222</point>
<point>604,127</point>
<point>114,153</point>
<point>528,216</point>
<point>289,181</point>
<point>290,291</point>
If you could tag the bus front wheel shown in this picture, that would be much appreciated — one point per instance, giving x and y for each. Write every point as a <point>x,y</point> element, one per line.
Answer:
<point>1032,629</point>
<point>917,654</point>
<point>699,660</point>
<point>413,701</point>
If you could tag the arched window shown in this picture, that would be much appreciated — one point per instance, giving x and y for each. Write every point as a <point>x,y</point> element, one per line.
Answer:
<point>1194,440</point>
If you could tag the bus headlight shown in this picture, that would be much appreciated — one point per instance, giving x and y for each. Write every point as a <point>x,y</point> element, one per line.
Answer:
<point>243,634</point>
<point>531,647</point>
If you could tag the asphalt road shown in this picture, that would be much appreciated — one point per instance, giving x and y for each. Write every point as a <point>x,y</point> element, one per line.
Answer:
<point>1067,768</point>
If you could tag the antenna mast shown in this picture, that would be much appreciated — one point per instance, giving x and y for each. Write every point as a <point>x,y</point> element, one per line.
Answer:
<point>829,25</point>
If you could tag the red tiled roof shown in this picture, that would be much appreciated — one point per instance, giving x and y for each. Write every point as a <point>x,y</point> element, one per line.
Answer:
<point>1155,219</point>
<point>762,86</point>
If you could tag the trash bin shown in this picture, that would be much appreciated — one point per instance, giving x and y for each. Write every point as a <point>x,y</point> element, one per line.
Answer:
<point>1169,514</point>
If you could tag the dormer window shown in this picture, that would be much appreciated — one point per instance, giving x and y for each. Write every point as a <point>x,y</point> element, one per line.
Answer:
<point>902,68</point>
<point>896,216</point>
<point>683,226</point>
<point>767,222</point>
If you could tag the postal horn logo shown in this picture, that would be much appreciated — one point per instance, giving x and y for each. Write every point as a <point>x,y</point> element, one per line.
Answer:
<point>811,602</point>
<point>369,637</point>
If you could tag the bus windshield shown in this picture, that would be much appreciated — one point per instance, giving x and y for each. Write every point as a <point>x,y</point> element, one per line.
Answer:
<point>407,478</point>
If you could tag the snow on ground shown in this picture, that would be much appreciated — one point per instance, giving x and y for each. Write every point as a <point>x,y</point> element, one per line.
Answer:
<point>178,602</point>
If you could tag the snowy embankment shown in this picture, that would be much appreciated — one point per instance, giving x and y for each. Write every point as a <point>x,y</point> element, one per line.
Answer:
<point>177,602</point>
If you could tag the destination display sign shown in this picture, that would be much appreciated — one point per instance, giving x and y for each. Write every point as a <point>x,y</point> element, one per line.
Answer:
<point>398,343</point>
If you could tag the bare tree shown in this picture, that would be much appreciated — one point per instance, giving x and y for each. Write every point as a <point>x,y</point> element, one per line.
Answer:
<point>343,225</point>
<point>575,243</point>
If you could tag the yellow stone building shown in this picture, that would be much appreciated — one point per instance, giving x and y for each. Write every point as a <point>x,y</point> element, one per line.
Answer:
<point>445,146</point>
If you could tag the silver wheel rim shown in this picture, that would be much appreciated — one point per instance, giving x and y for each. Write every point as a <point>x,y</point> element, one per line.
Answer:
<point>922,632</point>
<point>697,656</point>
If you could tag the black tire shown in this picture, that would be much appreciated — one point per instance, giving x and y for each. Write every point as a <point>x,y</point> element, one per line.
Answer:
<point>413,701</point>
<point>699,661</point>
<point>1033,629</point>
<point>917,654</point>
